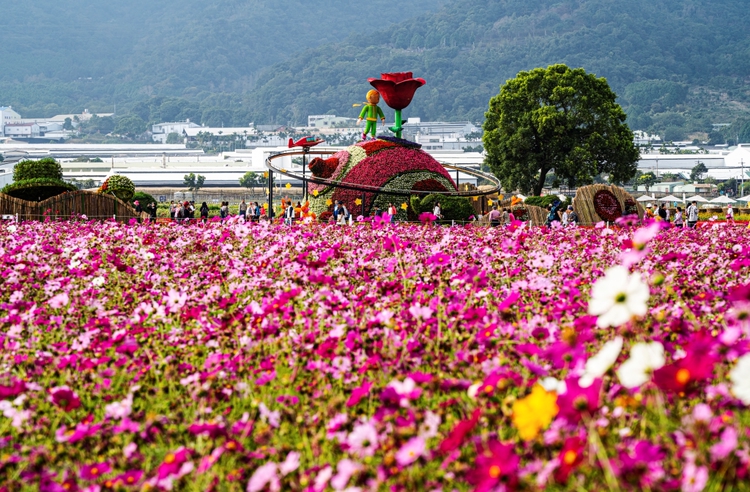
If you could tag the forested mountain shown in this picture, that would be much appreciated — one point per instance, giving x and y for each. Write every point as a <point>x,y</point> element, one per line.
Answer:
<point>58,56</point>
<point>677,65</point>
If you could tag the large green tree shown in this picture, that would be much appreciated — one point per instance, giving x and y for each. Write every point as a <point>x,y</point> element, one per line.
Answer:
<point>557,119</point>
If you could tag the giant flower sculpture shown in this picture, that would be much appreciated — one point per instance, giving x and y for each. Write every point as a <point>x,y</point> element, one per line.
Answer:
<point>397,89</point>
<point>380,165</point>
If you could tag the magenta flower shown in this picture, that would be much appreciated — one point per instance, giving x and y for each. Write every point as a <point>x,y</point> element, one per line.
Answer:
<point>94,471</point>
<point>577,401</point>
<point>264,475</point>
<point>65,398</point>
<point>172,463</point>
<point>570,457</point>
<point>410,451</point>
<point>496,463</point>
<point>129,478</point>
<point>358,393</point>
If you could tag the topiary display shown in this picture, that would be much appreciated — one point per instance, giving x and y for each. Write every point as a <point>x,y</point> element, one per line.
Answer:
<point>120,186</point>
<point>389,164</point>
<point>37,180</point>
<point>452,207</point>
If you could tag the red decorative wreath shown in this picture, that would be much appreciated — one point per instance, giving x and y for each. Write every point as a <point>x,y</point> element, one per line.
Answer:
<point>607,206</point>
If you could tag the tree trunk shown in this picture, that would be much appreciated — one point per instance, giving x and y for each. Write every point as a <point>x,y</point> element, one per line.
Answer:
<point>540,184</point>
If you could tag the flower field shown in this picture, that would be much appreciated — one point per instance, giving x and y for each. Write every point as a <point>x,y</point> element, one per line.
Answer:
<point>261,357</point>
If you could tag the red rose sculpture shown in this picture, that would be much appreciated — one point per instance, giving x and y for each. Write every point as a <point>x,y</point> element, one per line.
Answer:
<point>397,89</point>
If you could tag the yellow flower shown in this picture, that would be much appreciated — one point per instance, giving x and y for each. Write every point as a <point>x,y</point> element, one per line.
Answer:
<point>404,206</point>
<point>315,192</point>
<point>535,412</point>
<point>265,174</point>
<point>358,201</point>
<point>288,185</point>
<point>329,202</point>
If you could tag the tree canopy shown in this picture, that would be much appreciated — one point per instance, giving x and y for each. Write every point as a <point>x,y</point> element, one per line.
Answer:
<point>193,182</point>
<point>557,119</point>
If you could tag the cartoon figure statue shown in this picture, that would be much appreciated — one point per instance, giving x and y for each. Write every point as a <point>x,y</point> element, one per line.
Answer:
<point>371,112</point>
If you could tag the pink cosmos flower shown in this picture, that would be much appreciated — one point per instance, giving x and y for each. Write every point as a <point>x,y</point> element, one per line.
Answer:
<point>694,478</point>
<point>344,471</point>
<point>129,478</point>
<point>358,393</point>
<point>173,463</point>
<point>262,476</point>
<point>495,463</point>
<point>727,443</point>
<point>94,471</point>
<point>65,398</point>
<point>363,440</point>
<point>410,451</point>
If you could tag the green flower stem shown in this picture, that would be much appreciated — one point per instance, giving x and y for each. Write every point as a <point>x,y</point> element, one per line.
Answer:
<point>397,128</point>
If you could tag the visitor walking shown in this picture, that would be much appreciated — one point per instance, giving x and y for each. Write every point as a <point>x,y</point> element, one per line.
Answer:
<point>204,211</point>
<point>289,214</point>
<point>730,214</point>
<point>678,218</point>
<point>495,216</point>
<point>572,217</point>
<point>152,211</point>
<point>243,210</point>
<point>392,212</point>
<point>224,210</point>
<point>692,215</point>
<point>551,216</point>
<point>257,211</point>
<point>172,210</point>
<point>343,216</point>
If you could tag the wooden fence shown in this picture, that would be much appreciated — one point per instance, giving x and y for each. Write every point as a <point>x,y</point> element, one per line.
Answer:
<point>92,205</point>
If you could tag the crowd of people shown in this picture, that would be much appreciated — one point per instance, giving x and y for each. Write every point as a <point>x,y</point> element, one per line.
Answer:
<point>687,219</point>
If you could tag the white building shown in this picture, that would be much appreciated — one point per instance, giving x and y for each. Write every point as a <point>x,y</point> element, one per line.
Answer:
<point>161,131</point>
<point>22,130</point>
<point>415,126</point>
<point>7,115</point>
<point>329,121</point>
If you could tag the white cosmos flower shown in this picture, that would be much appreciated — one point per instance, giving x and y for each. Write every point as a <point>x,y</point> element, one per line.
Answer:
<point>618,296</point>
<point>740,377</point>
<point>644,359</point>
<point>599,364</point>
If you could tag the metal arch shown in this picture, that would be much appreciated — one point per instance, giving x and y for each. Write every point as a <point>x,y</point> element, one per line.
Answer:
<point>376,189</point>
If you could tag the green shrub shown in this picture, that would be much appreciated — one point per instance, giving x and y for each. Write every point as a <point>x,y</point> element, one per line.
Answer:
<point>144,199</point>
<point>453,207</point>
<point>37,189</point>
<point>43,168</point>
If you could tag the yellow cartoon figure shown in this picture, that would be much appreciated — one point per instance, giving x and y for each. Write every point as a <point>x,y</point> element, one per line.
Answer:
<point>371,112</point>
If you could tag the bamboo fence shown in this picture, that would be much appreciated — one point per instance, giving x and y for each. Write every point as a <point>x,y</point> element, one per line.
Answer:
<point>583,203</point>
<point>67,205</point>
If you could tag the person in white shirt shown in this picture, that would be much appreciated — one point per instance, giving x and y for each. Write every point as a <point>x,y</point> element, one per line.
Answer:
<point>437,211</point>
<point>730,214</point>
<point>692,215</point>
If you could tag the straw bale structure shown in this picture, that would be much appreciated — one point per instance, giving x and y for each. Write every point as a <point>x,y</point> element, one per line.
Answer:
<point>67,205</point>
<point>584,206</point>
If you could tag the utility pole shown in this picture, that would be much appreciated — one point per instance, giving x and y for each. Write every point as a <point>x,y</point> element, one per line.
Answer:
<point>742,186</point>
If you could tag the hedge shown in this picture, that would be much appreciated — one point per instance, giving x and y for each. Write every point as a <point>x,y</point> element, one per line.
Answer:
<point>452,207</point>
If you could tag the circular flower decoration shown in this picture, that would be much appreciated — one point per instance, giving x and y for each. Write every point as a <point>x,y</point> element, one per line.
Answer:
<point>607,206</point>
<point>521,214</point>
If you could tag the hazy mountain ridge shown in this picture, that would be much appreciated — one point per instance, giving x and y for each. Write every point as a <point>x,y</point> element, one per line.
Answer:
<point>84,51</point>
<point>679,51</point>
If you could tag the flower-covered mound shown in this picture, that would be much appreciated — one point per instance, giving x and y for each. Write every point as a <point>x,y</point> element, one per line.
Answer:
<point>262,357</point>
<point>388,164</point>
